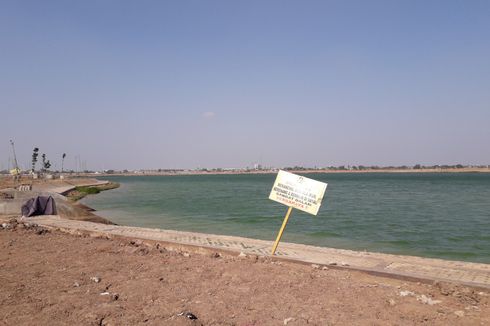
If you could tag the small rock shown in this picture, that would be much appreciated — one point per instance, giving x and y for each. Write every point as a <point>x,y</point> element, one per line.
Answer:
<point>215,255</point>
<point>325,268</point>
<point>315,266</point>
<point>105,293</point>
<point>115,296</point>
<point>136,243</point>
<point>96,279</point>
<point>143,251</point>
<point>459,313</point>
<point>332,263</point>
<point>6,225</point>
<point>76,284</point>
<point>392,302</point>
<point>406,293</point>
<point>186,254</point>
<point>344,264</point>
<point>41,231</point>
<point>483,294</point>
<point>242,254</point>
<point>287,320</point>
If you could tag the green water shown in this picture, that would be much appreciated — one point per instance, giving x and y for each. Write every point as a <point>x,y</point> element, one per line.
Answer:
<point>433,215</point>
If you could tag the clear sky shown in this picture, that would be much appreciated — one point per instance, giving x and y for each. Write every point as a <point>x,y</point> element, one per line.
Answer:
<point>185,84</point>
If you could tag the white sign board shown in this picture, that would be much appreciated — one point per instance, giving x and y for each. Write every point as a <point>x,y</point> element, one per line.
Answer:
<point>298,192</point>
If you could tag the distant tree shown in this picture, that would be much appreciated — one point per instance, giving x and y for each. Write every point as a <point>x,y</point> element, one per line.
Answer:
<point>35,154</point>
<point>62,161</point>
<point>46,163</point>
<point>459,166</point>
<point>43,156</point>
<point>417,167</point>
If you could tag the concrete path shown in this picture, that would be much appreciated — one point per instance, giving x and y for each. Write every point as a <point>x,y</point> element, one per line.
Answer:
<point>423,269</point>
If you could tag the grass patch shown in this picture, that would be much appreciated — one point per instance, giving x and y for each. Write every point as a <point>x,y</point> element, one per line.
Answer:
<point>82,191</point>
<point>87,190</point>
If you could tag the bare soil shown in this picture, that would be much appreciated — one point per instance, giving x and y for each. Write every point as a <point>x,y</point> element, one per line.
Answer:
<point>48,277</point>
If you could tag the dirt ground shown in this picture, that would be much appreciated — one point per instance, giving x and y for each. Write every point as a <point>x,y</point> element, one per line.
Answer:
<point>8,181</point>
<point>52,278</point>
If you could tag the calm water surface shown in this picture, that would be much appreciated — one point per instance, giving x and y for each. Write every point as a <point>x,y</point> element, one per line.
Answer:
<point>433,215</point>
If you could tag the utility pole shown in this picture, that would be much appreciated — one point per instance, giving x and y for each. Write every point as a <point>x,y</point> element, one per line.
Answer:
<point>15,157</point>
<point>16,175</point>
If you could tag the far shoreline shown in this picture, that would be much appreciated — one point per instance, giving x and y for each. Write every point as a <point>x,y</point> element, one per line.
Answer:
<point>177,172</point>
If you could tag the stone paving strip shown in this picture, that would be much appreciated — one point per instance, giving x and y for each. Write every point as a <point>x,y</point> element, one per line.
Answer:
<point>409,267</point>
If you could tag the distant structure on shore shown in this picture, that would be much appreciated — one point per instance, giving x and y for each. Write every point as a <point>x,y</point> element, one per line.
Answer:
<point>258,169</point>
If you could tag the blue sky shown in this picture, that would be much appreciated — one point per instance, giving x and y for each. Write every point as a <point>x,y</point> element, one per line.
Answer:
<point>185,84</point>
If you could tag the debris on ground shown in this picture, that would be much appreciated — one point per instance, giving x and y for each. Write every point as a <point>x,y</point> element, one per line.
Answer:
<point>459,313</point>
<point>96,279</point>
<point>426,300</point>
<point>188,315</point>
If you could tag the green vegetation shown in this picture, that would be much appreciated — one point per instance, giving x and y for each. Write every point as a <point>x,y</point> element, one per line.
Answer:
<point>88,190</point>
<point>82,191</point>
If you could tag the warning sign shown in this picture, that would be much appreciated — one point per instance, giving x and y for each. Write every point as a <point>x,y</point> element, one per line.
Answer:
<point>298,192</point>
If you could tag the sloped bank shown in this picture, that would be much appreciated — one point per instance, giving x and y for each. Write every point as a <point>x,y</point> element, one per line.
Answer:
<point>11,201</point>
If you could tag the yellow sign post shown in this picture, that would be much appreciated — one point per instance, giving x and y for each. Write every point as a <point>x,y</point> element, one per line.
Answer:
<point>298,192</point>
<point>279,235</point>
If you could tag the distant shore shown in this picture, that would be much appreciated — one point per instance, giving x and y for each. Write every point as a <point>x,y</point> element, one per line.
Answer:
<point>6,180</point>
<point>274,171</point>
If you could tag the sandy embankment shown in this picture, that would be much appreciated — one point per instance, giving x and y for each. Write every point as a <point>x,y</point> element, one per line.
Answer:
<point>50,277</point>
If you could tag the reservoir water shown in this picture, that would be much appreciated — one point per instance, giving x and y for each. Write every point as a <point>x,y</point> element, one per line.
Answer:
<point>423,214</point>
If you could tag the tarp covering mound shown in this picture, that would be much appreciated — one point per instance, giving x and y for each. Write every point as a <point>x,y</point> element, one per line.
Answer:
<point>39,205</point>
